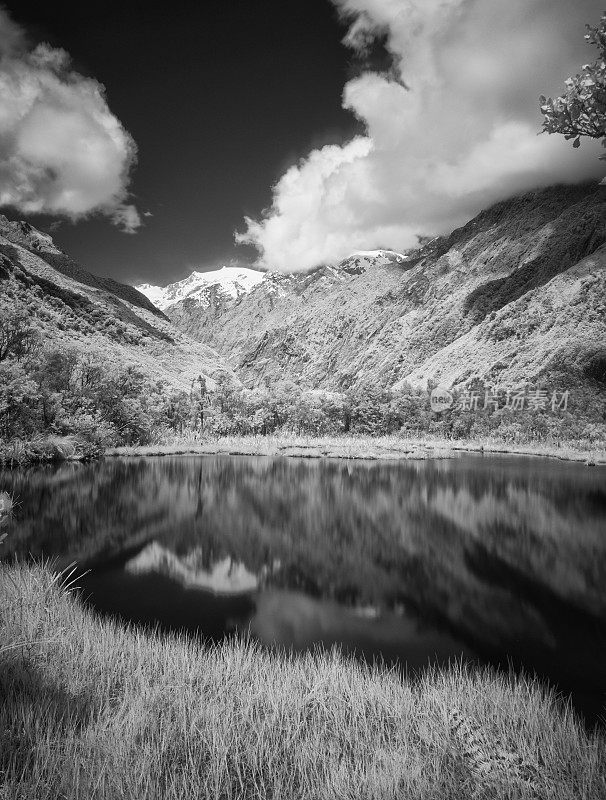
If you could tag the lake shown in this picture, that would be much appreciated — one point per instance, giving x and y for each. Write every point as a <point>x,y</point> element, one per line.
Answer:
<point>495,560</point>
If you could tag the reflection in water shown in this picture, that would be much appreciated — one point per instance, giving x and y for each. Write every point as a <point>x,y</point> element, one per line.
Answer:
<point>501,559</point>
<point>294,619</point>
<point>224,577</point>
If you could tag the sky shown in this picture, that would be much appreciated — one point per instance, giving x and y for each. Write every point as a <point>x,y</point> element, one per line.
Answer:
<point>152,141</point>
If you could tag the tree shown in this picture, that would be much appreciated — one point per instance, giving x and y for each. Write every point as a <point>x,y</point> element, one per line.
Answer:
<point>197,400</point>
<point>581,111</point>
<point>18,398</point>
<point>18,337</point>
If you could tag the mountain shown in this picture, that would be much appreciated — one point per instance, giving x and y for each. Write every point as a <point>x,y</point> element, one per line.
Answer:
<point>517,294</point>
<point>75,308</point>
<point>214,291</point>
<point>205,288</point>
<point>41,244</point>
<point>243,327</point>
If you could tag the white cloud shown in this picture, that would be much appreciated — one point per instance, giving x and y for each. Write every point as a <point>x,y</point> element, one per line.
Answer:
<point>462,135</point>
<point>127,218</point>
<point>62,151</point>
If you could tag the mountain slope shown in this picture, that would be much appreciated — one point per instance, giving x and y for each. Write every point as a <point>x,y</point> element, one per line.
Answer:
<point>558,328</point>
<point>273,331</point>
<point>41,244</point>
<point>74,308</point>
<point>515,295</point>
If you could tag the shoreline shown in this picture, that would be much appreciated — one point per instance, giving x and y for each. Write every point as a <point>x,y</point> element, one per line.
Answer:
<point>358,448</point>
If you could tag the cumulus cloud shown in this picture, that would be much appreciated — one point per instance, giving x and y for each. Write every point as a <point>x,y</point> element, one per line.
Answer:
<point>62,151</point>
<point>454,131</point>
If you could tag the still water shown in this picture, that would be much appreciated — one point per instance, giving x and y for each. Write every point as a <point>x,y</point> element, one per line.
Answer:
<point>497,560</point>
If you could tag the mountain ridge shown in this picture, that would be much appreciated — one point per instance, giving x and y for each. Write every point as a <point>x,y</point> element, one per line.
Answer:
<point>503,298</point>
<point>231,283</point>
<point>73,308</point>
<point>41,244</point>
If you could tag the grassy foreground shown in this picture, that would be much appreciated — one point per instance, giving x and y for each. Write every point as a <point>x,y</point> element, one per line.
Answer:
<point>364,447</point>
<point>93,710</point>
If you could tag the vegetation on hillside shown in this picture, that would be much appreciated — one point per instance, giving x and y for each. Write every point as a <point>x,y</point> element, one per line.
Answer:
<point>94,709</point>
<point>58,402</point>
<point>80,371</point>
<point>59,310</point>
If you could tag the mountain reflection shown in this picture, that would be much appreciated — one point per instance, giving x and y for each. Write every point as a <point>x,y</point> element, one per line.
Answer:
<point>225,577</point>
<point>503,559</point>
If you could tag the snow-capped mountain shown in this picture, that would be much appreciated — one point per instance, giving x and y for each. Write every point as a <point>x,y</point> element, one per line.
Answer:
<point>359,261</point>
<point>228,282</point>
<point>376,257</point>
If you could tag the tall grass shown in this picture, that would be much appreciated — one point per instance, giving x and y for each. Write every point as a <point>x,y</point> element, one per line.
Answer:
<point>96,711</point>
<point>45,449</point>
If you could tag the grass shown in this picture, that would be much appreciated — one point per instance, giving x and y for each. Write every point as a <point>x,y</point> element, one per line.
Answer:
<point>363,447</point>
<point>44,449</point>
<point>96,711</point>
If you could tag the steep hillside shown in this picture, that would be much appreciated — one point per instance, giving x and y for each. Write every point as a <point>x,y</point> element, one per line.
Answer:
<point>271,331</point>
<point>517,294</point>
<point>41,244</point>
<point>78,309</point>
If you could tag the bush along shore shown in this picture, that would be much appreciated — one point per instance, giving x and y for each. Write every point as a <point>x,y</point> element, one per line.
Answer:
<point>47,449</point>
<point>93,709</point>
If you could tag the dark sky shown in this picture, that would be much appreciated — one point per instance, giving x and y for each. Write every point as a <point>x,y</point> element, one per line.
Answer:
<point>220,96</point>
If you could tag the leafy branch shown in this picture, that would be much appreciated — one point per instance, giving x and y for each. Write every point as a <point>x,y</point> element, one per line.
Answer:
<point>581,110</point>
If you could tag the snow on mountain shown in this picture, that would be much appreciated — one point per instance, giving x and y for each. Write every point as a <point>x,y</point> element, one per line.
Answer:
<point>361,260</point>
<point>381,256</point>
<point>229,282</point>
